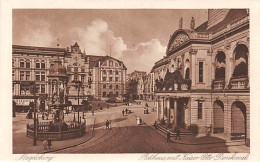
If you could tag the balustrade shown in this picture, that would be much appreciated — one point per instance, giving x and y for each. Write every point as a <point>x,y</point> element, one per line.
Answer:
<point>239,83</point>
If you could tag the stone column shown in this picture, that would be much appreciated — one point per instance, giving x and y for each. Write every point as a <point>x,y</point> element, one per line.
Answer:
<point>248,62</point>
<point>193,67</point>
<point>175,111</point>
<point>161,107</point>
<point>157,107</point>
<point>168,110</point>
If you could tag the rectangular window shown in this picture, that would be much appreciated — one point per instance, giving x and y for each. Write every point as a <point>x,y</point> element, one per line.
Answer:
<point>116,86</point>
<point>200,72</point>
<point>104,78</point>
<point>37,88</point>
<point>43,65</point>
<point>199,110</point>
<point>42,88</point>
<point>76,77</point>
<point>69,69</point>
<point>13,75</point>
<point>37,65</point>
<point>116,79</point>
<point>27,64</point>
<point>104,86</point>
<point>21,75</point>
<point>75,69</point>
<point>104,94</point>
<point>37,76</point>
<point>110,79</point>
<point>42,76</point>
<point>82,78</point>
<point>27,75</point>
<point>82,69</point>
<point>117,94</point>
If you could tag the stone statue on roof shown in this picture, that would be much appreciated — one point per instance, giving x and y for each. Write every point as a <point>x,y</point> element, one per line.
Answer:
<point>180,23</point>
<point>192,23</point>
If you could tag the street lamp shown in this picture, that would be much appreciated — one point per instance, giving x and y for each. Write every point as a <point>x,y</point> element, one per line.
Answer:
<point>33,90</point>
<point>77,85</point>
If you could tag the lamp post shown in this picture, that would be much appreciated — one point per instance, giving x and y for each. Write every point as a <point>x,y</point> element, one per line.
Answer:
<point>77,85</point>
<point>34,112</point>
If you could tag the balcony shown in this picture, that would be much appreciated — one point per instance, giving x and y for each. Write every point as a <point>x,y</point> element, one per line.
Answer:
<point>183,85</point>
<point>239,83</point>
<point>218,84</point>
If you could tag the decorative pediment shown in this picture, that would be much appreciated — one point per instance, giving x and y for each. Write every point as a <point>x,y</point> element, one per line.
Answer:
<point>178,40</point>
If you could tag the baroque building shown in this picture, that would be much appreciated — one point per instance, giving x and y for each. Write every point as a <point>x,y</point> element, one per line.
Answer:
<point>202,84</point>
<point>87,75</point>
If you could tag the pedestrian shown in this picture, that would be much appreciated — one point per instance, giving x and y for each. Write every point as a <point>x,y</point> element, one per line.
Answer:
<point>45,144</point>
<point>123,112</point>
<point>107,124</point>
<point>178,133</point>
<point>92,112</point>
<point>42,115</point>
<point>155,125</point>
<point>126,110</point>
<point>49,143</point>
<point>168,136</point>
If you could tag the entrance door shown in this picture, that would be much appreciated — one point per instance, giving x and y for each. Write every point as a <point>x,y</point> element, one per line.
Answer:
<point>180,114</point>
<point>218,111</point>
<point>238,120</point>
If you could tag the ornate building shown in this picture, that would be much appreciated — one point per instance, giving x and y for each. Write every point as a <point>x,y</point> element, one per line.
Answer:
<point>202,84</point>
<point>87,75</point>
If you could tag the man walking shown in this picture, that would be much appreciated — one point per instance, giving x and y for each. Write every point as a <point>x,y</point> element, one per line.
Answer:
<point>178,133</point>
<point>168,136</point>
<point>107,124</point>
<point>123,112</point>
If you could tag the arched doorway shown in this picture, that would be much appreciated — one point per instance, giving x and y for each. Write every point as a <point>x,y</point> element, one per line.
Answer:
<point>241,61</point>
<point>238,120</point>
<point>218,111</point>
<point>220,66</point>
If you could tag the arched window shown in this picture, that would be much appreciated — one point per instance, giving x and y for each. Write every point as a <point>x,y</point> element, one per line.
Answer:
<point>187,67</point>
<point>241,61</point>
<point>110,63</point>
<point>21,63</point>
<point>28,63</point>
<point>220,66</point>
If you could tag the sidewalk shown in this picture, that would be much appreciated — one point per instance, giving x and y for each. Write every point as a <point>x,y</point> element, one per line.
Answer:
<point>199,140</point>
<point>23,144</point>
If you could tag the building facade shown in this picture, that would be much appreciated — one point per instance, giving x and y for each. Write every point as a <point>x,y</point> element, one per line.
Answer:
<point>202,84</point>
<point>85,75</point>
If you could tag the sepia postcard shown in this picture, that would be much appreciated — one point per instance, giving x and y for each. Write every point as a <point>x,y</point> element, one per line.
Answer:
<point>129,81</point>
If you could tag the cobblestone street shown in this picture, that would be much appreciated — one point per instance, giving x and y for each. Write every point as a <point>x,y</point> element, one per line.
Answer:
<point>125,136</point>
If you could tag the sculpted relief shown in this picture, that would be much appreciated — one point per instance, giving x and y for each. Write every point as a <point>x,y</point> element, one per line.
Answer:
<point>178,40</point>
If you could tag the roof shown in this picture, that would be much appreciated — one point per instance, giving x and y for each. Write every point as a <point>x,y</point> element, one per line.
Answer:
<point>232,15</point>
<point>93,59</point>
<point>104,58</point>
<point>202,27</point>
<point>18,49</point>
<point>75,45</point>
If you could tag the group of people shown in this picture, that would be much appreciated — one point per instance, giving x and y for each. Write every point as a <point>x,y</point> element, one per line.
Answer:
<point>126,111</point>
<point>45,114</point>
<point>178,134</point>
<point>47,144</point>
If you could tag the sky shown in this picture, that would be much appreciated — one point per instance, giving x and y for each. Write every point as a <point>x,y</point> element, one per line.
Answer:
<point>138,37</point>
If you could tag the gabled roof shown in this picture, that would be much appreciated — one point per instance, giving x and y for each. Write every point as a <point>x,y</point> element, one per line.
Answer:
<point>93,59</point>
<point>75,45</point>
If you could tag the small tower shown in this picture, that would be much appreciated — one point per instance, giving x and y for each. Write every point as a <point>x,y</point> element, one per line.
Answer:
<point>180,23</point>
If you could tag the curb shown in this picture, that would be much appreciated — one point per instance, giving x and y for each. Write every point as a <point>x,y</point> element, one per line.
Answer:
<point>64,148</point>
